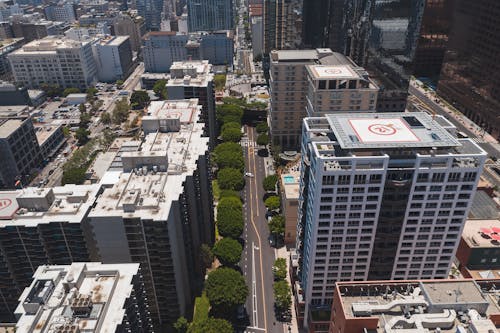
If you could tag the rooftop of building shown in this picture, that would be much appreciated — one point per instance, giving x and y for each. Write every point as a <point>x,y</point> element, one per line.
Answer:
<point>9,126</point>
<point>81,297</point>
<point>147,191</point>
<point>185,110</point>
<point>446,306</point>
<point>31,206</point>
<point>13,110</point>
<point>112,40</point>
<point>482,233</point>
<point>48,45</point>
<point>290,182</point>
<point>325,72</point>
<point>45,131</point>
<point>7,43</point>
<point>159,34</point>
<point>191,73</point>
<point>483,206</point>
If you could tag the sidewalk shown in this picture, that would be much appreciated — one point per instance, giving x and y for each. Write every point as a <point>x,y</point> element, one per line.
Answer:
<point>283,253</point>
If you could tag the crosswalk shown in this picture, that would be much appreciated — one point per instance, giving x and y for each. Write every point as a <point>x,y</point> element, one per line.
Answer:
<point>245,142</point>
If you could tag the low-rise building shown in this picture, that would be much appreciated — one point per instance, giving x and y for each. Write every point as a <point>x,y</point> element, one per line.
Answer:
<point>60,12</point>
<point>7,46</point>
<point>289,186</point>
<point>10,94</point>
<point>50,139</point>
<point>160,49</point>
<point>479,248</point>
<point>82,297</point>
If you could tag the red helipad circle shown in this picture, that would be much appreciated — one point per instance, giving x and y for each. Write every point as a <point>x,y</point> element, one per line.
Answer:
<point>381,129</point>
<point>5,203</point>
<point>333,71</point>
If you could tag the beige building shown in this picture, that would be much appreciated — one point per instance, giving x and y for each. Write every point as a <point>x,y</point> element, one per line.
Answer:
<point>290,201</point>
<point>297,74</point>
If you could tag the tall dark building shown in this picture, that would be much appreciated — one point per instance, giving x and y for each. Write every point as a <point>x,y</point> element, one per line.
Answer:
<point>470,77</point>
<point>151,11</point>
<point>210,15</point>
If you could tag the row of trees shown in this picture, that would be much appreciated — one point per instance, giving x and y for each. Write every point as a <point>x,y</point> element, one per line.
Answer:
<point>281,289</point>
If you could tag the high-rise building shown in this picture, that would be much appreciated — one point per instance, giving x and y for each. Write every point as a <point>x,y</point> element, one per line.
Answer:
<point>54,60</point>
<point>256,18</point>
<point>470,78</point>
<point>217,48</point>
<point>19,150</point>
<point>151,11</point>
<point>113,55</point>
<point>134,27</point>
<point>282,25</point>
<point>382,196</point>
<point>85,296</point>
<point>314,82</point>
<point>195,79</point>
<point>210,15</point>
<point>60,12</point>
<point>160,49</point>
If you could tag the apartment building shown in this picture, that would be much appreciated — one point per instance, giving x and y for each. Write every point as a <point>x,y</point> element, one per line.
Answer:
<point>194,79</point>
<point>113,55</point>
<point>313,83</point>
<point>54,60</point>
<point>415,305</point>
<point>83,297</point>
<point>382,196</point>
<point>289,186</point>
<point>19,150</point>
<point>40,226</point>
<point>161,49</point>
<point>339,88</point>
<point>158,211</point>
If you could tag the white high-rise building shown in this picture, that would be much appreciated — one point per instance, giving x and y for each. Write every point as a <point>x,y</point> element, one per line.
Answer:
<point>382,196</point>
<point>113,55</point>
<point>55,61</point>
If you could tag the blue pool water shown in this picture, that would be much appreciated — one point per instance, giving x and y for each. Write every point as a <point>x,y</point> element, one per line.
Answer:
<point>288,179</point>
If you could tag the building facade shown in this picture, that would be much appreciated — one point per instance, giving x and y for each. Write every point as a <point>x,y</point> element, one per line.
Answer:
<point>381,197</point>
<point>161,49</point>
<point>113,58</point>
<point>19,150</point>
<point>217,48</point>
<point>7,46</point>
<point>134,27</point>
<point>470,76</point>
<point>52,60</point>
<point>151,11</point>
<point>479,247</point>
<point>282,25</point>
<point>210,15</point>
<point>12,95</point>
<point>108,298</point>
<point>60,12</point>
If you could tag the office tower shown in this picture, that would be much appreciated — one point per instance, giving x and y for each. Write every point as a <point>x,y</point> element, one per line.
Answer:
<point>65,62</point>
<point>160,49</point>
<point>151,11</point>
<point>339,87</point>
<point>195,79</point>
<point>470,78</point>
<point>255,14</point>
<point>158,211</point>
<point>445,305</point>
<point>282,24</point>
<point>60,12</point>
<point>19,150</point>
<point>210,15</point>
<point>382,196</point>
<point>217,48</point>
<point>134,27</point>
<point>81,297</point>
<point>40,226</point>
<point>314,82</point>
<point>113,55</point>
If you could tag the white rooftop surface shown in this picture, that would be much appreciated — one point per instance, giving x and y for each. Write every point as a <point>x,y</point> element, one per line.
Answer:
<point>71,203</point>
<point>152,194</point>
<point>332,72</point>
<point>201,66</point>
<point>108,293</point>
<point>389,130</point>
<point>185,110</point>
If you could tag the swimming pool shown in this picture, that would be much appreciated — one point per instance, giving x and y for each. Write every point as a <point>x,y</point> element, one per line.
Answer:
<point>288,179</point>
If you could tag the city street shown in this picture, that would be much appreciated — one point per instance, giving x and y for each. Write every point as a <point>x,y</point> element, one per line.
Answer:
<point>258,256</point>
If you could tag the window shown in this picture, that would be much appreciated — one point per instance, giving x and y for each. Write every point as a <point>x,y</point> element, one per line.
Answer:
<point>328,180</point>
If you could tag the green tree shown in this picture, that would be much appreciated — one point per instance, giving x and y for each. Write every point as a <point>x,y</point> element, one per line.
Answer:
<point>206,255</point>
<point>120,112</point>
<point>229,193</point>
<point>160,89</point>
<point>220,81</point>
<point>73,176</point>
<point>262,139</point>
<point>52,90</point>
<point>181,325</point>
<point>82,108</point>
<point>231,132</point>
<point>119,83</point>
<point>230,222</point>
<point>273,202</point>
<point>229,155</point>
<point>230,179</point>
<point>85,119</point>
<point>226,289</point>
<point>269,183</point>
<point>82,135</point>
<point>68,91</point>
<point>277,225</point>
<point>66,131</point>
<point>140,98</point>
<point>211,325</point>
<point>226,113</point>
<point>262,127</point>
<point>228,251</point>
<point>282,295</point>
<point>279,269</point>
<point>230,203</point>
<point>106,118</point>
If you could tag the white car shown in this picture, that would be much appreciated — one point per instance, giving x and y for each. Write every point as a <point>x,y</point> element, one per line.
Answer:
<point>249,174</point>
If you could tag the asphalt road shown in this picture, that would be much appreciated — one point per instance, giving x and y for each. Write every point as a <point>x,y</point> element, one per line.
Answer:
<point>258,256</point>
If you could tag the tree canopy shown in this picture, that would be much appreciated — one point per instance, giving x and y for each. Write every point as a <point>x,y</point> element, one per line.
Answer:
<point>228,251</point>
<point>282,295</point>
<point>181,325</point>
<point>211,325</point>
<point>229,155</point>
<point>139,99</point>
<point>160,89</point>
<point>269,182</point>
<point>277,225</point>
<point>82,135</point>
<point>220,81</point>
<point>68,91</point>
<point>230,222</point>
<point>206,255</point>
<point>279,269</point>
<point>262,127</point>
<point>226,288</point>
<point>226,113</point>
<point>262,139</point>
<point>231,132</point>
<point>73,176</point>
<point>273,202</point>
<point>230,179</point>
<point>120,112</point>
